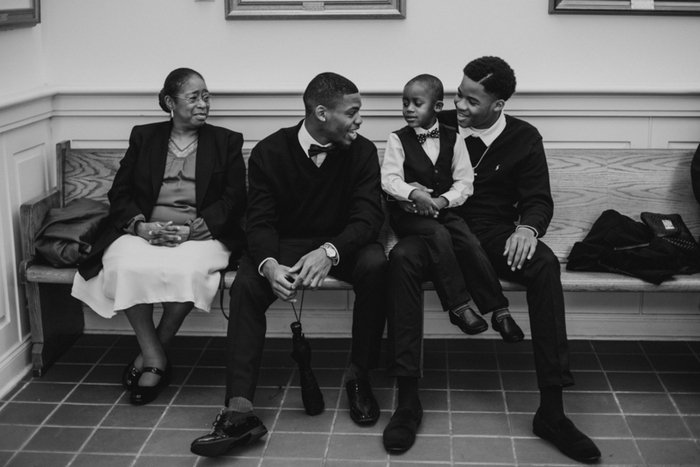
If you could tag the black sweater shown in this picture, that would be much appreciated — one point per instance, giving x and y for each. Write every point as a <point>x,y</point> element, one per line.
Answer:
<point>511,184</point>
<point>289,197</point>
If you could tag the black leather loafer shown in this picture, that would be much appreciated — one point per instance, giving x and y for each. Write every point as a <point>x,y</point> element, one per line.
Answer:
<point>567,438</point>
<point>230,430</point>
<point>141,395</point>
<point>509,329</point>
<point>468,321</point>
<point>400,433</point>
<point>130,376</point>
<point>364,409</point>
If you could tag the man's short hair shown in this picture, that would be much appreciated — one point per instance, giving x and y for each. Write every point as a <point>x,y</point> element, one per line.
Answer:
<point>433,84</point>
<point>326,89</point>
<point>494,74</point>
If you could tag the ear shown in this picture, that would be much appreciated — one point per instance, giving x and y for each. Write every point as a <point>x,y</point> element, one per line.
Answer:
<point>320,113</point>
<point>498,105</point>
<point>169,103</point>
<point>439,105</point>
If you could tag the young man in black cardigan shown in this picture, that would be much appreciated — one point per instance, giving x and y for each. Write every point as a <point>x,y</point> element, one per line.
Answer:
<point>314,209</point>
<point>509,211</point>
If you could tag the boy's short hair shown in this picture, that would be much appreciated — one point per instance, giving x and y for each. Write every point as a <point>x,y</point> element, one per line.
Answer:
<point>494,74</point>
<point>433,84</point>
<point>326,89</point>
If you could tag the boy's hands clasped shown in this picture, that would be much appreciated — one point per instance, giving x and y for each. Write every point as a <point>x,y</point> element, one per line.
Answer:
<point>422,203</point>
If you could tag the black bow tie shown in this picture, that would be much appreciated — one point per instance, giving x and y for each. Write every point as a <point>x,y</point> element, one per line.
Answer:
<point>422,137</point>
<point>315,149</point>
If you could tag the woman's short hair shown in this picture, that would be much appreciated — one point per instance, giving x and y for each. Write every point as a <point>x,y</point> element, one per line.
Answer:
<point>326,89</point>
<point>174,83</point>
<point>494,74</point>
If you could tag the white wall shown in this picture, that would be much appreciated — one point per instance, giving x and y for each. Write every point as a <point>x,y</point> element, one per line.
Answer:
<point>90,70</point>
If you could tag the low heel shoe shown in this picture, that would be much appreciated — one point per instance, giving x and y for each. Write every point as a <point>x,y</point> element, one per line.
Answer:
<point>567,438</point>
<point>130,376</point>
<point>141,395</point>
<point>508,328</point>
<point>468,321</point>
<point>364,409</point>
<point>230,430</point>
<point>400,434</point>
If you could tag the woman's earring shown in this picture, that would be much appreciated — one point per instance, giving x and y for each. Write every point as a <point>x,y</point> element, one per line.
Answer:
<point>171,113</point>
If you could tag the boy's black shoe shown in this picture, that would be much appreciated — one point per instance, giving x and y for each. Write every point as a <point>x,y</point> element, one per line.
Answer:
<point>567,438</point>
<point>468,321</point>
<point>509,329</point>
<point>231,429</point>
<point>400,434</point>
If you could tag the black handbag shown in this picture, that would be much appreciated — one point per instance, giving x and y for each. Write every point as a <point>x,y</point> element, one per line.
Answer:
<point>67,234</point>
<point>671,228</point>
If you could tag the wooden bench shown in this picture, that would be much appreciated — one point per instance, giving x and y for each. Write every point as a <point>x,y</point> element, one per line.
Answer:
<point>585,182</point>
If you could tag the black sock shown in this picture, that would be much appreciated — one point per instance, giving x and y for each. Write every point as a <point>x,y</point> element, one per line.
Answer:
<point>552,405</point>
<point>408,393</point>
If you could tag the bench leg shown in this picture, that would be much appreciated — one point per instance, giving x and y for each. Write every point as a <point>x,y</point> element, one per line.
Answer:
<point>56,320</point>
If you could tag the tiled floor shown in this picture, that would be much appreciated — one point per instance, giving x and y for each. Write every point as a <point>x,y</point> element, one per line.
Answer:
<point>640,401</point>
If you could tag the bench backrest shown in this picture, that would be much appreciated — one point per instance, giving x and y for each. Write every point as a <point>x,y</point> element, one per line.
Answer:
<point>585,182</point>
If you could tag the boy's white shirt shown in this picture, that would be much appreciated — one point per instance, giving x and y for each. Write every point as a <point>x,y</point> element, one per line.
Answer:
<point>393,179</point>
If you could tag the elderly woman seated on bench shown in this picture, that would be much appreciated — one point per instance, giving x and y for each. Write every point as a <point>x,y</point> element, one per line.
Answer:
<point>175,207</point>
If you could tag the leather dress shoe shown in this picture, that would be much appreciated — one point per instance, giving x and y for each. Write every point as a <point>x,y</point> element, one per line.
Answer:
<point>400,433</point>
<point>364,409</point>
<point>468,321</point>
<point>130,376</point>
<point>567,438</point>
<point>141,395</point>
<point>231,429</point>
<point>509,329</point>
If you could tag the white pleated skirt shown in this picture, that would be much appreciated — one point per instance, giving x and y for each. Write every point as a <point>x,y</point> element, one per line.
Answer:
<point>135,272</point>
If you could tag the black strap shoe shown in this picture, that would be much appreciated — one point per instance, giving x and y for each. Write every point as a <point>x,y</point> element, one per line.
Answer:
<point>130,376</point>
<point>141,395</point>
<point>567,438</point>
<point>400,433</point>
<point>508,328</point>
<point>364,409</point>
<point>468,321</point>
<point>230,430</point>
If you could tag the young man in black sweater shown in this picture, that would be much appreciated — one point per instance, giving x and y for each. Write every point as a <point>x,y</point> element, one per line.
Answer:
<point>509,211</point>
<point>314,209</point>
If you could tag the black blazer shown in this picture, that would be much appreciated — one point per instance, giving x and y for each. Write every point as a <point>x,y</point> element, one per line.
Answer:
<point>219,178</point>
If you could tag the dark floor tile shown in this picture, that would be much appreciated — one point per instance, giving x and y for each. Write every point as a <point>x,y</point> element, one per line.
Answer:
<point>103,460</point>
<point>117,440</point>
<point>480,424</point>
<point>119,356</point>
<point>433,379</point>
<point>40,459</point>
<point>182,461</point>
<point>320,344</point>
<point>638,382</point>
<point>65,373</point>
<point>212,357</point>
<point>657,426</point>
<point>132,416</point>
<point>345,447</point>
<point>84,355</point>
<point>483,451</point>
<point>298,445</point>
<point>670,452</point>
<point>96,394</point>
<point>474,380</point>
<point>584,362</point>
<point>665,347</point>
<point>625,347</point>
<point>580,346</point>
<point>277,359</point>
<point>78,415</point>
<point>127,341</point>
<point>295,421</point>
<point>688,404</point>
<point>189,342</point>
<point>592,402</point>
<point>477,401</point>
<point>194,418</point>
<point>693,423</point>
<point>675,363</point>
<point>624,362</point>
<point>207,377</point>
<point>57,439</point>
<point>680,382</point>
<point>292,399</point>
<point>434,399</point>
<point>461,344</point>
<point>325,378</point>
<point>503,347</point>
<point>589,381</point>
<point>539,452</point>
<point>105,374</point>
<point>12,437</point>
<point>25,413</point>
<point>198,395</point>
<point>472,361</point>
<point>97,340</point>
<point>427,448</point>
<point>619,452</point>
<point>639,403</point>
<point>519,380</point>
<point>436,360</point>
<point>44,392</point>
<point>526,402</point>
<point>516,361</point>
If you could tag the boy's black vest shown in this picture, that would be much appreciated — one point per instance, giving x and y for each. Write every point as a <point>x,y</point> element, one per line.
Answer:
<point>417,166</point>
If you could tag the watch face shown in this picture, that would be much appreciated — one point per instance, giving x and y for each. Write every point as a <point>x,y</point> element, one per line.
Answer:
<point>330,252</point>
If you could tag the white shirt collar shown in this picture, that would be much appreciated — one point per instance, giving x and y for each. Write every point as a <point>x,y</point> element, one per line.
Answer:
<point>420,131</point>
<point>306,140</point>
<point>488,135</point>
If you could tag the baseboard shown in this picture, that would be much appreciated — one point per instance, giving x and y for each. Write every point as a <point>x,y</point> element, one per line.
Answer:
<point>15,365</point>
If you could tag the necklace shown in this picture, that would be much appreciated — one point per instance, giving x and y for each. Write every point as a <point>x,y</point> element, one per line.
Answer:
<point>480,159</point>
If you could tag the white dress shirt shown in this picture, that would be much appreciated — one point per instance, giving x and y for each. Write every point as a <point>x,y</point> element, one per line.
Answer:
<point>393,179</point>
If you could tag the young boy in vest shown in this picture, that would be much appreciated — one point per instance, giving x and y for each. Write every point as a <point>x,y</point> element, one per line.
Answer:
<point>426,171</point>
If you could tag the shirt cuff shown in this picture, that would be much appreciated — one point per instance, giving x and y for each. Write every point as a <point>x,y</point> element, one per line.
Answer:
<point>532,229</point>
<point>263,264</point>
<point>131,225</point>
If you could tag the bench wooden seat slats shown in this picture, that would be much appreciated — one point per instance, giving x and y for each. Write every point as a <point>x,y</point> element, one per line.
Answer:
<point>585,182</point>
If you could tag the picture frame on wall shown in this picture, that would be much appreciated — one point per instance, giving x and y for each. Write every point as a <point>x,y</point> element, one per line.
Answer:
<point>326,9</point>
<point>626,7</point>
<point>19,14</point>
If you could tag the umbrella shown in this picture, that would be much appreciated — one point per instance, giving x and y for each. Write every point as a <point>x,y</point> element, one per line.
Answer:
<point>311,394</point>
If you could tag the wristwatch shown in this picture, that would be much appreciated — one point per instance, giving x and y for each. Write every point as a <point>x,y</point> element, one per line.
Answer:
<point>331,253</point>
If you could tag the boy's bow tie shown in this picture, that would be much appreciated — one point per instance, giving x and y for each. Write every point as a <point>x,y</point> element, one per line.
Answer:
<point>435,133</point>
